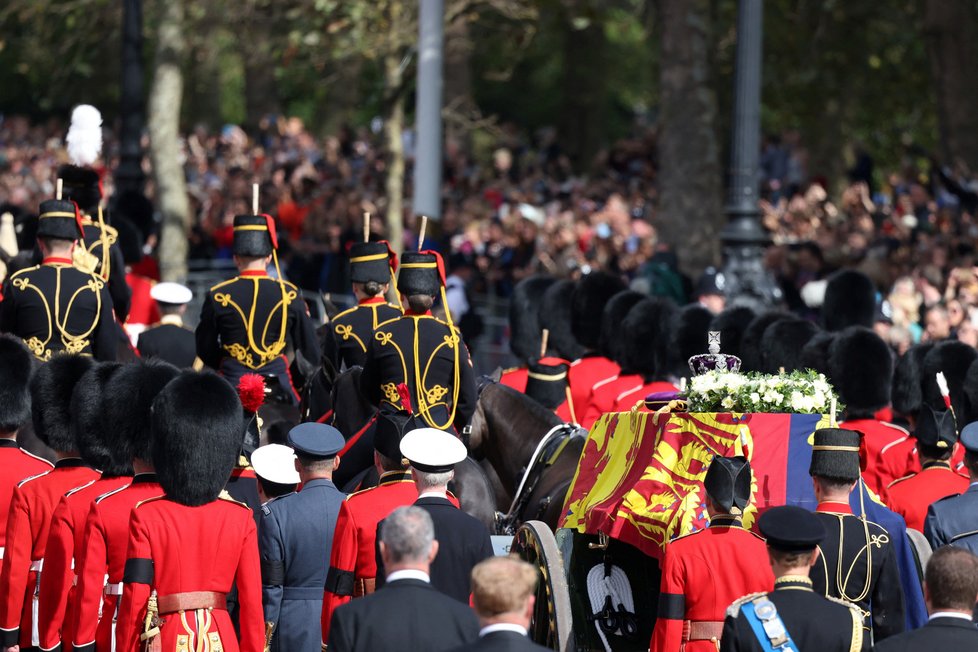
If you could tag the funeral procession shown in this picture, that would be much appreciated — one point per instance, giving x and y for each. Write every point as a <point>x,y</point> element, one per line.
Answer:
<point>488,325</point>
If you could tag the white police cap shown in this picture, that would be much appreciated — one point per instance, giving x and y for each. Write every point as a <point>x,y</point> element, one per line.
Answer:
<point>173,293</point>
<point>432,450</point>
<point>275,463</point>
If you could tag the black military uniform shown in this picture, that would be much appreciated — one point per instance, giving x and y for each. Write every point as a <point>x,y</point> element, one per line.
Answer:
<point>792,611</point>
<point>422,354</point>
<point>248,323</point>
<point>353,328</point>
<point>169,340</point>
<point>99,252</point>
<point>55,307</point>
<point>954,520</point>
<point>858,561</point>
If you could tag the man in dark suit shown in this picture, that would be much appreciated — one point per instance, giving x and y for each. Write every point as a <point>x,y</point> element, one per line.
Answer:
<point>170,340</point>
<point>465,541</point>
<point>407,613</point>
<point>503,593</point>
<point>951,589</point>
<point>954,520</point>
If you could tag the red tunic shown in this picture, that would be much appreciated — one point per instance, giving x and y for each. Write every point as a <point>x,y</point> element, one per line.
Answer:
<point>28,525</point>
<point>603,396</point>
<point>17,464</point>
<point>56,604</point>
<point>515,378</point>
<point>627,400</point>
<point>103,552</point>
<point>143,311</point>
<point>702,574</point>
<point>877,436</point>
<point>353,554</point>
<point>911,496</point>
<point>191,549</point>
<point>584,374</point>
<point>900,460</point>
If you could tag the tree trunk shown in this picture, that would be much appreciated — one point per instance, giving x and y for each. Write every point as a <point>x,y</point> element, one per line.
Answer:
<point>690,214</point>
<point>950,30</point>
<point>164,131</point>
<point>393,126</point>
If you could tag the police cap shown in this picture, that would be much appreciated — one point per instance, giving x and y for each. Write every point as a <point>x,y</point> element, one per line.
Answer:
<point>316,440</point>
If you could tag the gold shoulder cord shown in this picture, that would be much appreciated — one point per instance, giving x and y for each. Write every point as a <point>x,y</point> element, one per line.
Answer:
<point>72,343</point>
<point>868,547</point>
<point>265,354</point>
<point>423,408</point>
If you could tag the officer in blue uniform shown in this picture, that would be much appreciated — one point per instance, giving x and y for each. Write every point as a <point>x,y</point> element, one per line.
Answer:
<point>954,520</point>
<point>295,538</point>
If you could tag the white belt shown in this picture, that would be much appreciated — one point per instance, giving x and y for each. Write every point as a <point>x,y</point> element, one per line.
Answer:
<point>1,552</point>
<point>113,589</point>
<point>35,633</point>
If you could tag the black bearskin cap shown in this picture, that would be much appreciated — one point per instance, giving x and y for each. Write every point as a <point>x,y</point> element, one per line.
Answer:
<point>835,454</point>
<point>377,268</point>
<point>524,316</point>
<point>51,389</point>
<point>907,394</point>
<point>690,337</point>
<point>850,300</point>
<point>131,392</point>
<point>751,343</point>
<point>953,358</point>
<point>815,355</point>
<point>727,483</point>
<point>16,364</point>
<point>130,241</point>
<point>138,211</point>
<point>81,185</point>
<point>593,291</point>
<point>252,236</point>
<point>783,342</point>
<point>413,280</point>
<point>197,434</point>
<point>59,219</point>
<point>861,369</point>
<point>555,316</point>
<point>90,426</point>
<point>646,333</point>
<point>610,344</point>
<point>731,323</point>
<point>546,381</point>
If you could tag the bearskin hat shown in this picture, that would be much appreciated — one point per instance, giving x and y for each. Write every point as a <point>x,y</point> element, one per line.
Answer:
<point>197,431</point>
<point>953,358</point>
<point>90,425</point>
<point>690,337</point>
<point>751,351</point>
<point>129,240</point>
<point>611,318</point>
<point>782,344</point>
<point>593,291</point>
<point>81,185</point>
<point>129,398</point>
<point>16,364</point>
<point>51,389</point>
<point>731,323</point>
<point>815,354</point>
<point>135,208</point>
<point>555,316</point>
<point>524,316</point>
<point>907,392</point>
<point>861,368</point>
<point>850,300</point>
<point>647,334</point>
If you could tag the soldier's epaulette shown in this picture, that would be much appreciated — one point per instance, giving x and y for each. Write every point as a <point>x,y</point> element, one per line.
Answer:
<point>685,536</point>
<point>222,284</point>
<point>384,323</point>
<point>264,508</point>
<point>226,497</point>
<point>24,271</point>
<point>72,492</point>
<point>734,609</point>
<point>110,493</point>
<point>899,480</point>
<point>32,477</point>
<point>345,312</point>
<point>148,500</point>
<point>844,603</point>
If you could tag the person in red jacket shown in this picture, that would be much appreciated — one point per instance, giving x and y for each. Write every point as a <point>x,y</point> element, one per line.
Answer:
<point>102,556</point>
<point>56,597</point>
<point>36,497</point>
<point>649,326</point>
<point>588,301</point>
<point>353,563</point>
<point>16,363</point>
<point>910,496</point>
<point>704,572</point>
<point>525,331</point>
<point>187,546</point>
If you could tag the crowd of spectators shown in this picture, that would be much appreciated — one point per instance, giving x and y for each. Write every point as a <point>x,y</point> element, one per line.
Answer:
<point>524,210</point>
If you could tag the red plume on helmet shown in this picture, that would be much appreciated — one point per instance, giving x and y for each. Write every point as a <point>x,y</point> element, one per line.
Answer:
<point>272,234</point>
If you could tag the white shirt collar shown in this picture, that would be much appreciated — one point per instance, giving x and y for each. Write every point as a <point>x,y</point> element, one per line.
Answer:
<point>950,614</point>
<point>434,494</point>
<point>409,574</point>
<point>502,627</point>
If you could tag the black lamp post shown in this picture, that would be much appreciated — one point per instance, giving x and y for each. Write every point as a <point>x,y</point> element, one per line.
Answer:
<point>744,239</point>
<point>129,175</point>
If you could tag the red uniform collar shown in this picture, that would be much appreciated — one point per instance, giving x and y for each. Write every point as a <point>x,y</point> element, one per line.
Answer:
<point>371,301</point>
<point>56,260</point>
<point>259,273</point>
<point>410,313</point>
<point>833,507</point>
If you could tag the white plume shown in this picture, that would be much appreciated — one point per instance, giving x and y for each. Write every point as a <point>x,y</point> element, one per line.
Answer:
<point>84,139</point>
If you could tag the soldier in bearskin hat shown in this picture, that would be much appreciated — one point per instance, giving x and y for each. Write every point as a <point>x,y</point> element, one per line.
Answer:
<point>249,323</point>
<point>186,547</point>
<point>783,343</point>
<point>705,571</point>
<point>524,326</point>
<point>850,300</point>
<point>731,324</point>
<point>752,340</point>
<point>587,302</point>
<point>417,363</point>
<point>98,250</point>
<point>555,311</point>
<point>99,566</point>
<point>649,325</point>
<point>54,306</point>
<point>858,561</point>
<point>372,265</point>
<point>36,497</point>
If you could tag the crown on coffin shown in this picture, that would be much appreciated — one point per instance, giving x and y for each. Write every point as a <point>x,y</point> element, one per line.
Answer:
<point>714,360</point>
